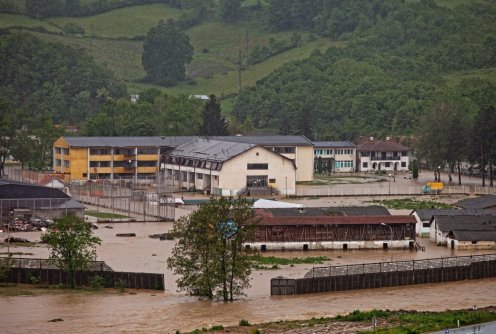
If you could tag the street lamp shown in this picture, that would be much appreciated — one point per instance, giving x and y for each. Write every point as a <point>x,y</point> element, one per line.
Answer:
<point>286,178</point>
<point>439,173</point>
<point>384,224</point>
<point>389,183</point>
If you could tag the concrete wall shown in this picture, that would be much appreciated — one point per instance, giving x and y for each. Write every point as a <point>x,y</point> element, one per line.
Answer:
<point>468,245</point>
<point>304,163</point>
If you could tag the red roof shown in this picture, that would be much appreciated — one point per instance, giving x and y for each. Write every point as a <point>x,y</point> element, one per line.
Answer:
<point>337,220</point>
<point>46,179</point>
<point>381,146</point>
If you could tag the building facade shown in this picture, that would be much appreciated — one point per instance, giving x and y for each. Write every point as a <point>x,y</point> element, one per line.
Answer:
<point>88,158</point>
<point>227,168</point>
<point>334,156</point>
<point>382,155</point>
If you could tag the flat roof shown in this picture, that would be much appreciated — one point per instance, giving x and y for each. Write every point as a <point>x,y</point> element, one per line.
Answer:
<point>268,140</point>
<point>373,210</point>
<point>155,141</point>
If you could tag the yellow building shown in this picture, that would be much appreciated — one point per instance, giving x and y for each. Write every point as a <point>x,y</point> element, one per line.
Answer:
<point>86,158</point>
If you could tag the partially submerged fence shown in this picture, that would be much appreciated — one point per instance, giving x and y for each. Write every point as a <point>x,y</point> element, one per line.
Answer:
<point>387,190</point>
<point>386,274</point>
<point>44,272</point>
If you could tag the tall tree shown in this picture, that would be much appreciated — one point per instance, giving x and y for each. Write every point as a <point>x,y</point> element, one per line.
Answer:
<point>443,137</point>
<point>166,51</point>
<point>213,123</point>
<point>72,245</point>
<point>209,257</point>
<point>11,123</point>
<point>230,10</point>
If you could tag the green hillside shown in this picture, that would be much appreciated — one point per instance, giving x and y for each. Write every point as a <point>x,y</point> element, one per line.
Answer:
<point>124,22</point>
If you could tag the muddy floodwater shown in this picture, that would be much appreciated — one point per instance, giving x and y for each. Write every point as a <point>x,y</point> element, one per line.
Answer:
<point>167,311</point>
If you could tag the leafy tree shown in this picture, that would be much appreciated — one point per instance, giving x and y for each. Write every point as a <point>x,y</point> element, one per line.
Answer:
<point>72,245</point>
<point>213,123</point>
<point>11,123</point>
<point>443,137</point>
<point>209,257</point>
<point>166,50</point>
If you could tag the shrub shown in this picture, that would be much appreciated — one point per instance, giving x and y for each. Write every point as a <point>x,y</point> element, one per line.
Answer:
<point>97,282</point>
<point>217,328</point>
<point>244,322</point>
<point>121,284</point>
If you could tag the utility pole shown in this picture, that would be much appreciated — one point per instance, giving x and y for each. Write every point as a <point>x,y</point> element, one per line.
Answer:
<point>239,70</point>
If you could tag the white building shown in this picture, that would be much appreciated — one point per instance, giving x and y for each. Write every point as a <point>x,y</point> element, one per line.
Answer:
<point>382,155</point>
<point>228,168</point>
<point>335,156</point>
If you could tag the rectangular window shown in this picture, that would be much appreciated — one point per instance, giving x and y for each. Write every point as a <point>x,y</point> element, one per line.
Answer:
<point>66,163</point>
<point>403,164</point>
<point>57,162</point>
<point>257,166</point>
<point>387,164</point>
<point>284,150</point>
<point>272,180</point>
<point>199,176</point>
<point>365,154</point>
<point>57,150</point>
<point>147,150</point>
<point>404,154</point>
<point>147,163</point>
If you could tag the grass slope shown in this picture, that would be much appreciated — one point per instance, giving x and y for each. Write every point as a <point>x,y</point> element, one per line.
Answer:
<point>12,20</point>
<point>123,22</point>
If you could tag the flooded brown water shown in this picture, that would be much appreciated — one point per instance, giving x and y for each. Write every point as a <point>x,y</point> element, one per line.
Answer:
<point>164,312</point>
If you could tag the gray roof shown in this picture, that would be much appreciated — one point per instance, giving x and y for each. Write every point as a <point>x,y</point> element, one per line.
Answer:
<point>156,141</point>
<point>466,223</point>
<point>427,214</point>
<point>70,204</point>
<point>208,149</point>
<point>482,202</point>
<point>473,235</point>
<point>319,144</point>
<point>268,140</point>
<point>330,211</point>
<point>15,190</point>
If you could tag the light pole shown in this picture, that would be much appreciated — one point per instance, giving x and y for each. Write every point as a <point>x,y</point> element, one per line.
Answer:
<point>389,183</point>
<point>384,224</point>
<point>439,173</point>
<point>286,178</point>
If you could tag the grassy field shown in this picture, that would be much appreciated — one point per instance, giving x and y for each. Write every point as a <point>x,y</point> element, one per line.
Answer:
<point>123,22</point>
<point>11,20</point>
<point>104,214</point>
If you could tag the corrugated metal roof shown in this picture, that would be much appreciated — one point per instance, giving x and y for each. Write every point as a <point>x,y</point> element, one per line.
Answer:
<point>427,214</point>
<point>473,235</point>
<point>482,202</point>
<point>156,141</point>
<point>209,149</point>
<point>322,144</point>
<point>465,223</point>
<point>268,140</point>
<point>326,211</point>
<point>336,220</point>
<point>381,146</point>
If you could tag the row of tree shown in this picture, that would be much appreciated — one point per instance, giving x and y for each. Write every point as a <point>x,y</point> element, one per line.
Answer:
<point>449,135</point>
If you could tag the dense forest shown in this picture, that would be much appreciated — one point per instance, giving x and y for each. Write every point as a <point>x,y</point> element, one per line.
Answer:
<point>389,72</point>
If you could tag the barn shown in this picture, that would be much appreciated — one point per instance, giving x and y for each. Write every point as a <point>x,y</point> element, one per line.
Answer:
<point>332,228</point>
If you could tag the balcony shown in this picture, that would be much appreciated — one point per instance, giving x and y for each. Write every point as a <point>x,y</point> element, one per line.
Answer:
<point>386,158</point>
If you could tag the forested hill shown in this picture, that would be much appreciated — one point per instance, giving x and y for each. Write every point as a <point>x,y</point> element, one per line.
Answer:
<point>393,67</point>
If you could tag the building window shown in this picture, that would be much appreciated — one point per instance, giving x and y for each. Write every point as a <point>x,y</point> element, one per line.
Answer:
<point>404,154</point>
<point>199,176</point>
<point>365,154</point>
<point>57,162</point>
<point>365,164</point>
<point>272,180</point>
<point>387,164</point>
<point>147,163</point>
<point>258,166</point>
<point>57,150</point>
<point>147,150</point>
<point>403,164</point>
<point>284,150</point>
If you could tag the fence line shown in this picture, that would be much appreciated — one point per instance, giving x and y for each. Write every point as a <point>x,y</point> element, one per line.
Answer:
<point>387,274</point>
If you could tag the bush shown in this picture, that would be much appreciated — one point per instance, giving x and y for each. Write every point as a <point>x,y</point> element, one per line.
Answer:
<point>97,282</point>
<point>244,322</point>
<point>121,284</point>
<point>217,328</point>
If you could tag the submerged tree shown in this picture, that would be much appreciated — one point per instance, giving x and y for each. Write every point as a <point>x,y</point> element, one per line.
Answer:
<point>72,245</point>
<point>209,257</point>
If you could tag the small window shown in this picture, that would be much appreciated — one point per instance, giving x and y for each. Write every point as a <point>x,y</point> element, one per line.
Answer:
<point>403,164</point>
<point>272,180</point>
<point>474,242</point>
<point>85,174</point>
<point>365,164</point>
<point>258,166</point>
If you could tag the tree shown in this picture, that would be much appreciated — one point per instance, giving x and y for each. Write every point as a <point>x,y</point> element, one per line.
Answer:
<point>209,257</point>
<point>72,245</point>
<point>166,50</point>
<point>11,122</point>
<point>415,169</point>
<point>213,123</point>
<point>230,10</point>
